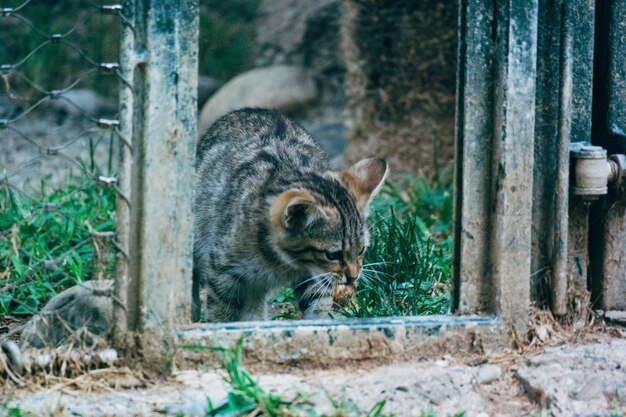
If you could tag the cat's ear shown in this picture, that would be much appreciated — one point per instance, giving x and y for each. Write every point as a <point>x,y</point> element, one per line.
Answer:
<point>364,179</point>
<point>295,210</point>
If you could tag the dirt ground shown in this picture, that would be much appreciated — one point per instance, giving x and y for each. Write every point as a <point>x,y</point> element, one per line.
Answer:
<point>581,375</point>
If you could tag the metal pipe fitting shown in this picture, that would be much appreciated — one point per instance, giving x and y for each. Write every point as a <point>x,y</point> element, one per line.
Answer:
<point>617,175</point>
<point>593,171</point>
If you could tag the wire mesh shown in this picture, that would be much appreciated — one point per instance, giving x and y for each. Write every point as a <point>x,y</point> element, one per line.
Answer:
<point>59,141</point>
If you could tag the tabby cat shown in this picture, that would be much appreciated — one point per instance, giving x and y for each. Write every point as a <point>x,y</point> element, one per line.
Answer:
<point>268,214</point>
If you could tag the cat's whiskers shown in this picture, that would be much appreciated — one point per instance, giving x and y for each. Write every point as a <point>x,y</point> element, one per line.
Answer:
<point>376,222</point>
<point>375,272</point>
<point>312,278</point>
<point>323,287</point>
<point>318,287</point>
<point>370,278</point>
<point>377,263</point>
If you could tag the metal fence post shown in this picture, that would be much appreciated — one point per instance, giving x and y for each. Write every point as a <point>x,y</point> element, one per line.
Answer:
<point>564,87</point>
<point>495,142</point>
<point>158,116</point>
<point>608,219</point>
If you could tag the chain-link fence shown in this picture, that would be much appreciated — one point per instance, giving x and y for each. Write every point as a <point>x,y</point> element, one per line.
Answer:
<point>59,145</point>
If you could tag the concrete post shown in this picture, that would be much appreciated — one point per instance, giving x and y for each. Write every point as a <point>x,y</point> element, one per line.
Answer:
<point>158,117</point>
<point>494,169</point>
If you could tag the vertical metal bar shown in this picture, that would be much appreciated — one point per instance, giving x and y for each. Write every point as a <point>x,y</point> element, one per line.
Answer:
<point>126,103</point>
<point>563,115</point>
<point>474,134</point>
<point>163,64</point>
<point>576,62</point>
<point>609,217</point>
<point>513,157</point>
<point>495,142</point>
<point>546,147</point>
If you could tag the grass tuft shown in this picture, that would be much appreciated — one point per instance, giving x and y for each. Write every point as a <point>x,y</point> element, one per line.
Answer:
<point>407,267</point>
<point>49,242</point>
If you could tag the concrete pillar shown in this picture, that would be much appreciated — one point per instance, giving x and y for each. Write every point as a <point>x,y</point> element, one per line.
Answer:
<point>158,118</point>
<point>494,165</point>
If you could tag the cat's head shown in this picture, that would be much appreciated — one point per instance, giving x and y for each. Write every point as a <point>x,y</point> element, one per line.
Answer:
<point>320,225</point>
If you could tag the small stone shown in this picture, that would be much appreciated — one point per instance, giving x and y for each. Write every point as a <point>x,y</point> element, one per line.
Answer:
<point>87,305</point>
<point>207,86</point>
<point>542,333</point>
<point>488,373</point>
<point>402,388</point>
<point>191,408</point>
<point>280,87</point>
<point>108,355</point>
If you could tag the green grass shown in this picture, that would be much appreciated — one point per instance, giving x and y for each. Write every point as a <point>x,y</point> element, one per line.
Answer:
<point>407,266</point>
<point>46,244</point>
<point>283,305</point>
<point>6,411</point>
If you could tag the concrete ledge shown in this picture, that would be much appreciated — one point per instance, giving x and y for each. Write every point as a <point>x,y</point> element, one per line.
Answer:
<point>322,343</point>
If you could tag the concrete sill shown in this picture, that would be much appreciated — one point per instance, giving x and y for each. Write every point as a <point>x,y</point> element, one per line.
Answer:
<point>315,343</point>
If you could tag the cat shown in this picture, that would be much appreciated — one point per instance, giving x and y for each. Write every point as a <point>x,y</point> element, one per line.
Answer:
<point>268,213</point>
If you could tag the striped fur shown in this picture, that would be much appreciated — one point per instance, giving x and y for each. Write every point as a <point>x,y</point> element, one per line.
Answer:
<point>269,213</point>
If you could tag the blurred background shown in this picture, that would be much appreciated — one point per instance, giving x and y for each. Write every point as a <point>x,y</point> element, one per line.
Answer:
<point>364,77</point>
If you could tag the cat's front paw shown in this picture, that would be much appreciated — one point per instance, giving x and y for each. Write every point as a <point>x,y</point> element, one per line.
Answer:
<point>320,308</point>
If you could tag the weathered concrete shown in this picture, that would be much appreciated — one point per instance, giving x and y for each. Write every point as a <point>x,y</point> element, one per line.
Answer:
<point>495,140</point>
<point>563,116</point>
<point>315,343</point>
<point>608,222</point>
<point>579,380</point>
<point>158,117</point>
<point>472,193</point>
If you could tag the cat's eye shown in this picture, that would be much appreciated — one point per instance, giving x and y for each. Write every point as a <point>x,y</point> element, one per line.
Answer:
<point>333,255</point>
<point>362,251</point>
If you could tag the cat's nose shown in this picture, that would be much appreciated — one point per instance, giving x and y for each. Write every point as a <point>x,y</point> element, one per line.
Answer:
<point>352,273</point>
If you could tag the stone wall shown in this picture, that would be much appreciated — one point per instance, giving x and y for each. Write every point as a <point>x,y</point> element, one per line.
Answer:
<point>400,59</point>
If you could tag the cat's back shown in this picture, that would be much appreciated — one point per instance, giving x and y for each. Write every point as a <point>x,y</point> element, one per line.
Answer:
<point>244,159</point>
<point>261,135</point>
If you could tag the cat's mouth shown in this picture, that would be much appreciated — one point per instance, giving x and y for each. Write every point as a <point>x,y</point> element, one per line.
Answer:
<point>343,293</point>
